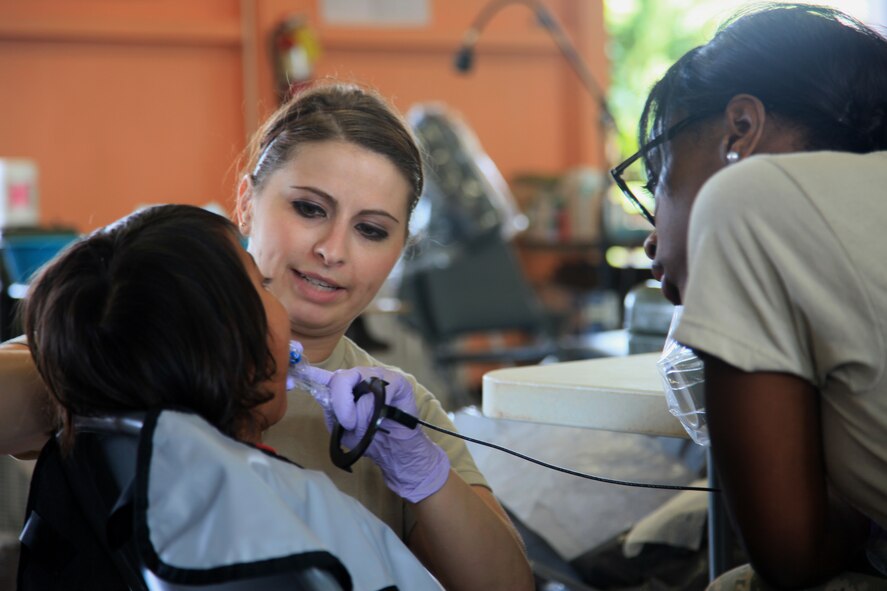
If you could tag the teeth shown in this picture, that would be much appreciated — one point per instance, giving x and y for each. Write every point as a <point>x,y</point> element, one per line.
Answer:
<point>319,284</point>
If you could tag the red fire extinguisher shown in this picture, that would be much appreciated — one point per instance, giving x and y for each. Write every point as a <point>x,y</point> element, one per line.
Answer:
<point>295,50</point>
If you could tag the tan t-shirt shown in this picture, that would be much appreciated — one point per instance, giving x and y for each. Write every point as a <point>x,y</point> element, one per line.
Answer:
<point>302,436</point>
<point>787,273</point>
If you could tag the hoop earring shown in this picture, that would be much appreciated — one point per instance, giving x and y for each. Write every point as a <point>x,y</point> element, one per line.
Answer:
<point>732,157</point>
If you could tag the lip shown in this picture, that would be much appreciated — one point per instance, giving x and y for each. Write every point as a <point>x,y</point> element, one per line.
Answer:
<point>658,270</point>
<point>317,277</point>
<point>313,292</point>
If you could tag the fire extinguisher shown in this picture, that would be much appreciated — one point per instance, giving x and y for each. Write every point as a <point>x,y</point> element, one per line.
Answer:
<point>295,50</point>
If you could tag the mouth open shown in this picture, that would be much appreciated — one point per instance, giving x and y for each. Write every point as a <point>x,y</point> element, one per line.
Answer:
<point>318,283</point>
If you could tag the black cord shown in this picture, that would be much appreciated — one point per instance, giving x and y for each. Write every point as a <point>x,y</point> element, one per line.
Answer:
<point>395,414</point>
<point>567,470</point>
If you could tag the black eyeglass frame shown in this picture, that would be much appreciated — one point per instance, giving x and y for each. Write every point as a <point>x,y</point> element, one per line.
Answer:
<point>660,139</point>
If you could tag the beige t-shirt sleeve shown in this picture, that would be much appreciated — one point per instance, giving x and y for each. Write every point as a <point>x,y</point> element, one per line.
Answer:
<point>770,286</point>
<point>432,412</point>
<point>786,274</point>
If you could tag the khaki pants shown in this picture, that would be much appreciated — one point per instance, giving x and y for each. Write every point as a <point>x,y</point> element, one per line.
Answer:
<point>743,578</point>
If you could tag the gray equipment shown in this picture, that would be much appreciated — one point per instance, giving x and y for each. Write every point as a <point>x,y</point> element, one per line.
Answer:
<point>461,278</point>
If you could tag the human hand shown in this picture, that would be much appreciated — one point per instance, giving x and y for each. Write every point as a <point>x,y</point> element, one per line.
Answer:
<point>412,465</point>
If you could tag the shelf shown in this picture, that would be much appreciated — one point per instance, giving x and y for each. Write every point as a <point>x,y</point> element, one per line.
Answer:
<point>121,31</point>
<point>537,244</point>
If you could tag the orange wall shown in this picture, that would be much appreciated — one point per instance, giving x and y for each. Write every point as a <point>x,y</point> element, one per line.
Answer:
<point>128,102</point>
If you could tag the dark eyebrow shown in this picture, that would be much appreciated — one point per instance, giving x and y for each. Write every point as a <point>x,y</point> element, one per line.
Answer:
<point>334,202</point>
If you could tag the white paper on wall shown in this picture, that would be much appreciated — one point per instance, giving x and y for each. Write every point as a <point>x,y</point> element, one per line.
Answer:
<point>380,13</point>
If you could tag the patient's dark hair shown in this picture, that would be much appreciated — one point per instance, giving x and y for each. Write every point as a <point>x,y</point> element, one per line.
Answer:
<point>155,310</point>
<point>814,68</point>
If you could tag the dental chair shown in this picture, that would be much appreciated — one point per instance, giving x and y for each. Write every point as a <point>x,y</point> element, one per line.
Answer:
<point>481,292</point>
<point>161,501</point>
<point>461,279</point>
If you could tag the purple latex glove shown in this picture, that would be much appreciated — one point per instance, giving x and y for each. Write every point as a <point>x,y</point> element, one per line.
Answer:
<point>413,466</point>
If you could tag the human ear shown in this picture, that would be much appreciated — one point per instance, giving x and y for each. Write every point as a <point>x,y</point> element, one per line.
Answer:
<point>745,117</point>
<point>244,210</point>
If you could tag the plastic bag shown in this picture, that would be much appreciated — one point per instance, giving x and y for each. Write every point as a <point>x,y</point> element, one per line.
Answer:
<point>683,380</point>
<point>297,377</point>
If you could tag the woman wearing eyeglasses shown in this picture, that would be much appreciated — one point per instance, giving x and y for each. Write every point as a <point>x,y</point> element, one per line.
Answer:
<point>764,150</point>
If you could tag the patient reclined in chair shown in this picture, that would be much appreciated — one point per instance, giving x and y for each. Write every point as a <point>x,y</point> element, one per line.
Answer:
<point>165,501</point>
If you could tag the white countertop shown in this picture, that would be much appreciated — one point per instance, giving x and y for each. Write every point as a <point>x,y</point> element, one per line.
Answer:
<point>611,393</point>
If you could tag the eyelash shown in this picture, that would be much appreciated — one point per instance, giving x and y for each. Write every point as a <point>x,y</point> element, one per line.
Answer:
<point>650,187</point>
<point>309,210</point>
<point>371,232</point>
<point>652,181</point>
<point>266,282</point>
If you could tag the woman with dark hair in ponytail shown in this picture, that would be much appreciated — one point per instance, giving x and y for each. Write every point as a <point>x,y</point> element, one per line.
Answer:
<point>764,150</point>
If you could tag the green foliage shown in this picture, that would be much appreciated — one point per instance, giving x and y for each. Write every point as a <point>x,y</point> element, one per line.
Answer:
<point>645,38</point>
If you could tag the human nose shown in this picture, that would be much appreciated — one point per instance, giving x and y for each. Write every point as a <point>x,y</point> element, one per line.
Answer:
<point>332,246</point>
<point>650,245</point>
